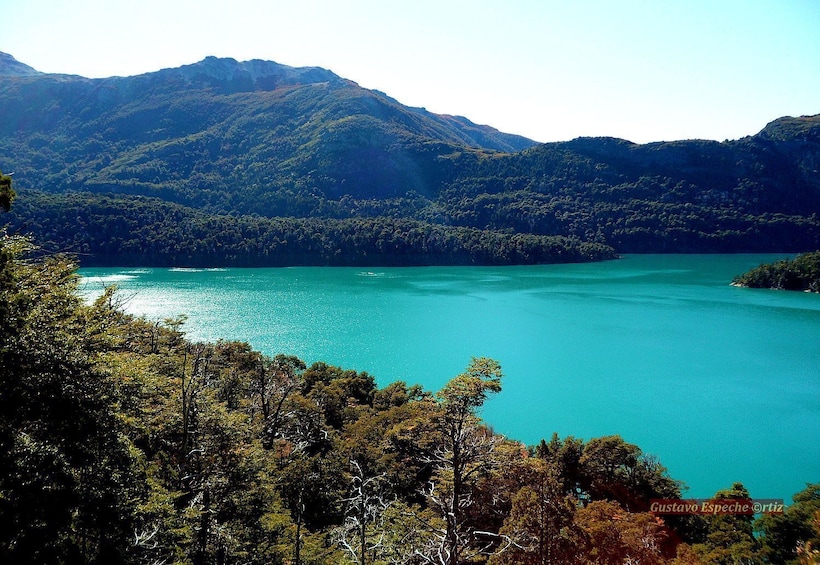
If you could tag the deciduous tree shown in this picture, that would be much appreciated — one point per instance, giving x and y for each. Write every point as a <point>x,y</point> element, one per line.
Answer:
<point>541,523</point>
<point>68,483</point>
<point>460,450</point>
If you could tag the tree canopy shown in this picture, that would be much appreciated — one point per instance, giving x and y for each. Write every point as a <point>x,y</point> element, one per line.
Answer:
<point>800,273</point>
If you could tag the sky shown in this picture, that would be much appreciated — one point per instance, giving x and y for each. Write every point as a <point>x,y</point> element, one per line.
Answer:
<point>551,70</point>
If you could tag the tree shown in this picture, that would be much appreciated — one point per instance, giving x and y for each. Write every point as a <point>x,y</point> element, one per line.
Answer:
<point>271,386</point>
<point>730,538</point>
<point>411,534</point>
<point>612,469</point>
<point>6,193</point>
<point>541,523</point>
<point>795,534</point>
<point>460,450</point>
<point>466,452</point>
<point>361,532</point>
<point>564,456</point>
<point>68,483</point>
<point>310,471</point>
<point>616,536</point>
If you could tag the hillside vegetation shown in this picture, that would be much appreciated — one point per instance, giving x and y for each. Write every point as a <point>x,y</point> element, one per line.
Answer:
<point>243,143</point>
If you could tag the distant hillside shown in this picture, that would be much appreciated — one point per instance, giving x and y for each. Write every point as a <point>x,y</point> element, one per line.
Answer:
<point>759,193</point>
<point>257,139</point>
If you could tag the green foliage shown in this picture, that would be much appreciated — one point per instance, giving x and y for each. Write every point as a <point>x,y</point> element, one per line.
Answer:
<point>6,193</point>
<point>611,469</point>
<point>616,536</point>
<point>794,536</point>
<point>541,520</point>
<point>467,392</point>
<point>729,538</point>
<point>107,231</point>
<point>68,476</point>
<point>800,273</point>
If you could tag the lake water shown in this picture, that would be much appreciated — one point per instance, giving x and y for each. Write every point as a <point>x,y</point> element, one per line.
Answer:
<point>721,383</point>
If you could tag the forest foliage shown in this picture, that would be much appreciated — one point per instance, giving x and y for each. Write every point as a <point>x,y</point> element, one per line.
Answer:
<point>102,230</point>
<point>121,441</point>
<point>800,273</point>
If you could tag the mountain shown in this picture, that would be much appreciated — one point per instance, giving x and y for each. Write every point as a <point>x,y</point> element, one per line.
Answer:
<point>220,123</point>
<point>253,141</point>
<point>755,194</point>
<point>9,66</point>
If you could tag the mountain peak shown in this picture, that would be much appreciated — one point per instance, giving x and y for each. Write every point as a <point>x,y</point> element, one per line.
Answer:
<point>261,74</point>
<point>9,66</point>
<point>789,128</point>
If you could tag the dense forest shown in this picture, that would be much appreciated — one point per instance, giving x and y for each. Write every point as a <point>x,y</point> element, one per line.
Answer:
<point>123,442</point>
<point>800,273</point>
<point>102,230</point>
<point>221,148</point>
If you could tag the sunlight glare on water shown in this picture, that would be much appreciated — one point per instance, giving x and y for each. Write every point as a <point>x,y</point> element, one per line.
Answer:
<point>721,383</point>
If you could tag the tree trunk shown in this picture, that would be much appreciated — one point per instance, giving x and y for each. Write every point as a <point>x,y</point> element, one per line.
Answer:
<point>297,550</point>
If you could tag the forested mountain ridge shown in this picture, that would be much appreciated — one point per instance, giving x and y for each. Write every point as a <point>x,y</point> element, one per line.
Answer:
<point>219,125</point>
<point>253,139</point>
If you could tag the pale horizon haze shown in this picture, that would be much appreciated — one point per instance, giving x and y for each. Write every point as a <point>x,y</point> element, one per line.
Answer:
<point>549,70</point>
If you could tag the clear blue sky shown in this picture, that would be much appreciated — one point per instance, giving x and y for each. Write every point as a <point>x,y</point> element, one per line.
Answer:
<point>644,70</point>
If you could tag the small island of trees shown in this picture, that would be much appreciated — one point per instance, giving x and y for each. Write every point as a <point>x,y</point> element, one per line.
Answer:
<point>800,273</point>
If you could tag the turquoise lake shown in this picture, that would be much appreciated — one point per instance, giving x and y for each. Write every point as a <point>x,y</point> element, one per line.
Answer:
<point>722,384</point>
